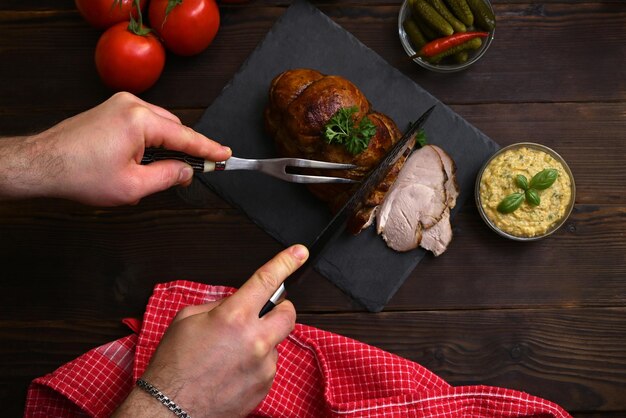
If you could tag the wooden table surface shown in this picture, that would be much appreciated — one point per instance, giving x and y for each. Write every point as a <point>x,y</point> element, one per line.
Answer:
<point>547,317</point>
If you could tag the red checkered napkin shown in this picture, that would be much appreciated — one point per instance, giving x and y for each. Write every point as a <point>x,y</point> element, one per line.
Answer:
<point>319,374</point>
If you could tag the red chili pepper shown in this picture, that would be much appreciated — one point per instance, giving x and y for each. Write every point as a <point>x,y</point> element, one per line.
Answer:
<point>439,45</point>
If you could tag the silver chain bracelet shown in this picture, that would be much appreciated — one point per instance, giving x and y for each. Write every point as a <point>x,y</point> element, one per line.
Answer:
<point>160,396</point>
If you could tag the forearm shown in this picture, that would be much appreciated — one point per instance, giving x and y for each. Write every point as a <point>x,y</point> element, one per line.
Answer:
<point>27,165</point>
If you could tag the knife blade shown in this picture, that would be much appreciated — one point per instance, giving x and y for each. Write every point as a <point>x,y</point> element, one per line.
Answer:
<point>337,224</point>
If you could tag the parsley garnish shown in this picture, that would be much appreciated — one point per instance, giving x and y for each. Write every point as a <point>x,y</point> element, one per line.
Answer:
<point>342,129</point>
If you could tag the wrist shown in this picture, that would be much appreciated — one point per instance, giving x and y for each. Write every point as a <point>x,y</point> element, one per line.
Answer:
<point>162,398</point>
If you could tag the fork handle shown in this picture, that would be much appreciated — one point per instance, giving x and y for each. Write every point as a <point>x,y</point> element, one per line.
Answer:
<point>199,165</point>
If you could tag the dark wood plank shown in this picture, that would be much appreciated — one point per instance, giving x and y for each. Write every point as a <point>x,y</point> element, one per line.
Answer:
<point>80,257</point>
<point>64,45</point>
<point>106,261</point>
<point>588,135</point>
<point>55,5</point>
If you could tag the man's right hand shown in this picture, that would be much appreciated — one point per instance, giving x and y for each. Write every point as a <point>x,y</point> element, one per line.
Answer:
<point>219,359</point>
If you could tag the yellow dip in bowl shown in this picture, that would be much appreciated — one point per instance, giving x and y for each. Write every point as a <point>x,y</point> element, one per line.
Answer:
<point>497,180</point>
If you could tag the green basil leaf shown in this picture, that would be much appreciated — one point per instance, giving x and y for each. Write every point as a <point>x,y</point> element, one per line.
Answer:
<point>544,179</point>
<point>522,181</point>
<point>511,202</point>
<point>532,197</point>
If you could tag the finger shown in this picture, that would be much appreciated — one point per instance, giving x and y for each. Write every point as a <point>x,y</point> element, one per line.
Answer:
<point>191,310</point>
<point>162,175</point>
<point>163,132</point>
<point>280,321</point>
<point>265,281</point>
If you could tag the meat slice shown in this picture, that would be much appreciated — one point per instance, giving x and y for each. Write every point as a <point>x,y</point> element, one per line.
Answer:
<point>425,167</point>
<point>400,216</point>
<point>452,187</point>
<point>438,237</point>
<point>366,211</point>
<point>415,202</point>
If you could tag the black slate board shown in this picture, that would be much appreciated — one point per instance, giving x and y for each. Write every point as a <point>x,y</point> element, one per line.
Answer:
<point>303,37</point>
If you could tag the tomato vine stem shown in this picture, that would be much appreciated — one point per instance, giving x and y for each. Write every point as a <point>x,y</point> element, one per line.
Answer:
<point>136,26</point>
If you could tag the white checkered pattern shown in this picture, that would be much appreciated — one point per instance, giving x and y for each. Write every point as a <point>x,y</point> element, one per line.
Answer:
<point>319,374</point>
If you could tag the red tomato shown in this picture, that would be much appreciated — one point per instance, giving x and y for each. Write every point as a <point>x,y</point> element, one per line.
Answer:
<point>189,27</point>
<point>127,61</point>
<point>105,13</point>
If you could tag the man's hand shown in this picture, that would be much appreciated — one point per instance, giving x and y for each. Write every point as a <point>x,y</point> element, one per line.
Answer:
<point>95,156</point>
<point>219,359</point>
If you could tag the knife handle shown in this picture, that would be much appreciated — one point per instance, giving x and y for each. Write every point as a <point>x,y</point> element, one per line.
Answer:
<point>199,165</point>
<point>274,300</point>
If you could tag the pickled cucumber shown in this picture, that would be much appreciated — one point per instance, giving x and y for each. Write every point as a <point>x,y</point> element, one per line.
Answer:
<point>432,17</point>
<point>414,33</point>
<point>483,16</point>
<point>442,9</point>
<point>461,9</point>
<point>427,31</point>
<point>461,57</point>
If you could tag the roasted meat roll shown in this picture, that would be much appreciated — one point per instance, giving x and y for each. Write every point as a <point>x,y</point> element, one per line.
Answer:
<point>301,104</point>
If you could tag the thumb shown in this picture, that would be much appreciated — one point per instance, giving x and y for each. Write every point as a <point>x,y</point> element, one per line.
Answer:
<point>162,175</point>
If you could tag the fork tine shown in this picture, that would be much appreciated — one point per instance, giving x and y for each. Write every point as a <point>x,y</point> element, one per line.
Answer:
<point>277,167</point>
<point>302,178</point>
<point>299,162</point>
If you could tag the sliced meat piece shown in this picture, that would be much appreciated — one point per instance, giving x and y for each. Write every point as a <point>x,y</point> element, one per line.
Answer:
<point>399,221</point>
<point>416,201</point>
<point>425,167</point>
<point>438,237</point>
<point>366,212</point>
<point>452,187</point>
